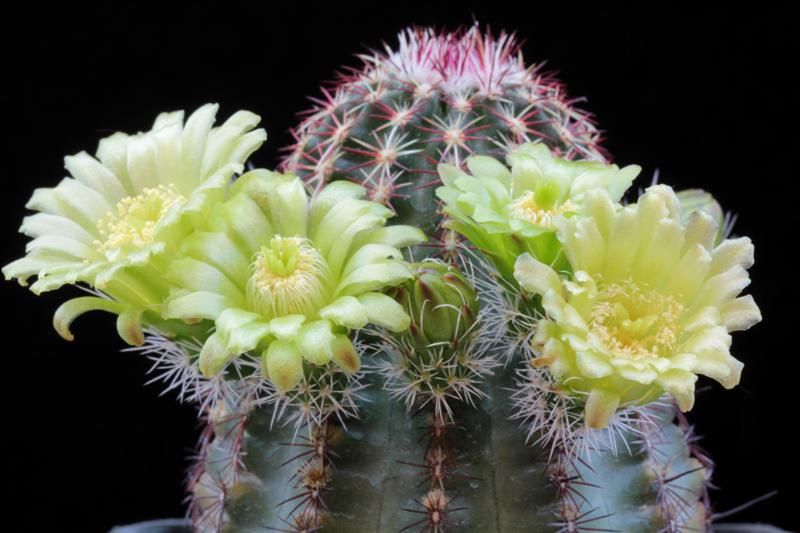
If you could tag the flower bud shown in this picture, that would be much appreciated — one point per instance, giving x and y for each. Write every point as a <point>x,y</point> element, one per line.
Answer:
<point>443,305</point>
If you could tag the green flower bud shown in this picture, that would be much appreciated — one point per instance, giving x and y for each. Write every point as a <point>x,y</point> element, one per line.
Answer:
<point>443,305</point>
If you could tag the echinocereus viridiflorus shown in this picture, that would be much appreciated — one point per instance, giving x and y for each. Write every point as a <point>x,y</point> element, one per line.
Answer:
<point>115,223</point>
<point>505,212</point>
<point>649,303</point>
<point>290,277</point>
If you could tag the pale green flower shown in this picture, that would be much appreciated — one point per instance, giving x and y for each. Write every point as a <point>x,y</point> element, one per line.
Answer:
<point>290,278</point>
<point>508,212</point>
<point>114,223</point>
<point>650,303</point>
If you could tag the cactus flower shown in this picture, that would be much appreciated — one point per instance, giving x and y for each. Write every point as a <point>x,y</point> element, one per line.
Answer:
<point>508,212</point>
<point>290,278</point>
<point>114,221</point>
<point>649,305</point>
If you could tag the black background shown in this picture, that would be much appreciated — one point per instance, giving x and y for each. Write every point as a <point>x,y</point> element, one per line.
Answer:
<point>701,94</point>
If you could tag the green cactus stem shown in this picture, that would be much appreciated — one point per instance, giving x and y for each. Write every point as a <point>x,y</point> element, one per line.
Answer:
<point>493,481</point>
<point>437,97</point>
<point>443,450</point>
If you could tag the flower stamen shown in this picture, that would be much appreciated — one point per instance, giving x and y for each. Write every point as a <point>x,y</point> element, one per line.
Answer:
<point>527,208</point>
<point>137,218</point>
<point>635,321</point>
<point>288,276</point>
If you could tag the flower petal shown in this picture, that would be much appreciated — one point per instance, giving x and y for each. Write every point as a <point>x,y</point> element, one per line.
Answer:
<point>286,327</point>
<point>193,306</point>
<point>680,384</point>
<point>315,342</point>
<point>534,276</point>
<point>72,309</point>
<point>284,364</point>
<point>330,197</point>
<point>600,407</point>
<point>732,253</point>
<point>214,355</point>
<point>385,312</point>
<point>741,313</point>
<point>346,311</point>
<point>200,276</point>
<point>345,355</point>
<point>488,167</point>
<point>94,175</point>
<point>374,276</point>
<point>129,326</point>
<point>396,236</point>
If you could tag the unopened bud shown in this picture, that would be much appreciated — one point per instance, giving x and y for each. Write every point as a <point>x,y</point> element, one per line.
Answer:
<point>443,305</point>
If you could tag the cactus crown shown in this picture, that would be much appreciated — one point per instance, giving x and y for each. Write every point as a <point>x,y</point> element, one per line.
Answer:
<point>438,97</point>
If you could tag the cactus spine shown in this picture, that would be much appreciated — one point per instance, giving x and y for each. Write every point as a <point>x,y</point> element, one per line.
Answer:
<point>522,387</point>
<point>444,430</point>
<point>435,98</point>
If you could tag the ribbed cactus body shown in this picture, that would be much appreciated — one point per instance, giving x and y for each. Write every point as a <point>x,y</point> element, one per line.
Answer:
<point>442,439</point>
<point>437,444</point>
<point>436,98</point>
<point>379,479</point>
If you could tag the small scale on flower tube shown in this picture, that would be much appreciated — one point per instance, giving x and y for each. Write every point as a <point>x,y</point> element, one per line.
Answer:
<point>649,305</point>
<point>116,221</point>
<point>290,278</point>
<point>505,212</point>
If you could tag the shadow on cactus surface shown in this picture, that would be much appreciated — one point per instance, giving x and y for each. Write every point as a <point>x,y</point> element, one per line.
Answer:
<point>447,311</point>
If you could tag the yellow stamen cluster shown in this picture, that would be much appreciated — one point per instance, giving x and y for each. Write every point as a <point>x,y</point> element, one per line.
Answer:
<point>635,321</point>
<point>137,218</point>
<point>526,208</point>
<point>289,276</point>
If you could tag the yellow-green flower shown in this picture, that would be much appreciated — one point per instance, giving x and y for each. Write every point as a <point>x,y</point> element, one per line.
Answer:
<point>113,222</point>
<point>291,278</point>
<point>650,303</point>
<point>508,212</point>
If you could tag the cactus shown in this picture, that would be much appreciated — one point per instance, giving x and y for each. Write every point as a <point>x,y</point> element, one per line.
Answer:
<point>443,451</point>
<point>437,97</point>
<point>449,427</point>
<point>517,382</point>
<point>391,475</point>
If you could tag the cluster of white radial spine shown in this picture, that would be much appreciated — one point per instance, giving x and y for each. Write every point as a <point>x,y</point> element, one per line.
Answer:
<point>430,380</point>
<point>224,401</point>
<point>320,404</point>
<point>442,375</point>
<point>322,394</point>
<point>446,371</point>
<point>554,420</point>
<point>227,399</point>
<point>434,507</point>
<point>175,366</point>
<point>313,474</point>
<point>221,442</point>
